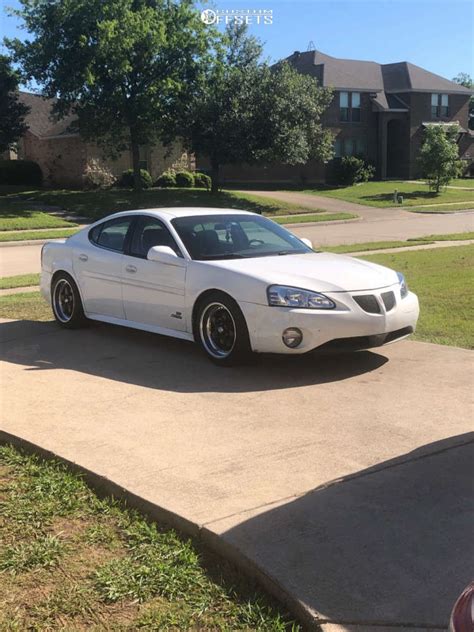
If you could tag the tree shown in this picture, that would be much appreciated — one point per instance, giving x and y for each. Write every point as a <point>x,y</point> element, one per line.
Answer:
<point>463,79</point>
<point>12,124</point>
<point>439,155</point>
<point>125,68</point>
<point>249,112</point>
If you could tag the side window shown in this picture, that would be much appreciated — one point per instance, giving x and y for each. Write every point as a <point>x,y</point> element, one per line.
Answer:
<point>111,234</point>
<point>148,233</point>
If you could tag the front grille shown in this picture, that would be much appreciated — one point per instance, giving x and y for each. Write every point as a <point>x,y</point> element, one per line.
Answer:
<point>388,299</point>
<point>368,303</point>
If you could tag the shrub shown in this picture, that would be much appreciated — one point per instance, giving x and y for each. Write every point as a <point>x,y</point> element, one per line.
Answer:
<point>167,179</point>
<point>97,176</point>
<point>184,179</point>
<point>126,179</point>
<point>202,181</point>
<point>351,170</point>
<point>20,172</point>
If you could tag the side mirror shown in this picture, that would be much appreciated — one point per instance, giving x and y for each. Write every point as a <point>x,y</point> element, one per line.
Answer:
<point>166,255</point>
<point>307,242</point>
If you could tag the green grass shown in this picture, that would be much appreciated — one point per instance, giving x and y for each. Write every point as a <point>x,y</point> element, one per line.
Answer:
<point>414,241</point>
<point>328,217</point>
<point>442,278</point>
<point>20,280</point>
<point>28,235</point>
<point>54,576</point>
<point>25,306</point>
<point>452,208</point>
<point>373,245</point>
<point>381,194</point>
<point>462,182</point>
<point>446,237</point>
<point>97,204</point>
<point>22,219</point>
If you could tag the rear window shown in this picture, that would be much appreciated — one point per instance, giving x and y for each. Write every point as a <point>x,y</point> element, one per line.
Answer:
<point>111,234</point>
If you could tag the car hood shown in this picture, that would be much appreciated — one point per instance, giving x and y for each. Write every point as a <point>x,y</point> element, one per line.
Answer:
<point>319,271</point>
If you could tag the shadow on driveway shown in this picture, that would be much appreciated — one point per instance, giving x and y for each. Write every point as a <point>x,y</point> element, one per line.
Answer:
<point>146,359</point>
<point>391,545</point>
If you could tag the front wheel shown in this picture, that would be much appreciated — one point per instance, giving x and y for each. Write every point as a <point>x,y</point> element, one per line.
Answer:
<point>66,302</point>
<point>221,330</point>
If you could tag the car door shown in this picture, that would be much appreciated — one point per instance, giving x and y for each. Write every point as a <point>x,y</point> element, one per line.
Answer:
<point>98,267</point>
<point>153,293</point>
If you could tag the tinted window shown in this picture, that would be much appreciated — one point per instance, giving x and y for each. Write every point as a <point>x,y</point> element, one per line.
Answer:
<point>111,234</point>
<point>148,233</point>
<point>235,236</point>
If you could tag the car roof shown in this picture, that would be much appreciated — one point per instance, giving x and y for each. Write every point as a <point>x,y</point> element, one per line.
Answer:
<point>173,212</point>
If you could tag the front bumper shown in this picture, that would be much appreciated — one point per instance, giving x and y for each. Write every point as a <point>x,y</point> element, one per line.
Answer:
<point>348,323</point>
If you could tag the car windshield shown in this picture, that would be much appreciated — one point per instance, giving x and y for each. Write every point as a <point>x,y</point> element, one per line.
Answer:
<point>226,236</point>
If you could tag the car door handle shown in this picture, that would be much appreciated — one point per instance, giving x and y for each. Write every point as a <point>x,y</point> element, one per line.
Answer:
<point>83,257</point>
<point>131,269</point>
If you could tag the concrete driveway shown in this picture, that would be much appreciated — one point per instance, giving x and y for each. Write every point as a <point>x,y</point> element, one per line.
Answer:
<point>343,483</point>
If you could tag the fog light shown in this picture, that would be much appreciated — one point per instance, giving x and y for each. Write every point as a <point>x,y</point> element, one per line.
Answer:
<point>292,337</point>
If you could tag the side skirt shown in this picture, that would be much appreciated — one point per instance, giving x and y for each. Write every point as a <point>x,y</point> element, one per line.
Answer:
<point>163,331</point>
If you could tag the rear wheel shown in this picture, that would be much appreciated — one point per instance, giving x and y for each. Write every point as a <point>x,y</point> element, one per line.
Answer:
<point>66,302</point>
<point>221,330</point>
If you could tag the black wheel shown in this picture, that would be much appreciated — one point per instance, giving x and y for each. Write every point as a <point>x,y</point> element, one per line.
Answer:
<point>66,302</point>
<point>221,330</point>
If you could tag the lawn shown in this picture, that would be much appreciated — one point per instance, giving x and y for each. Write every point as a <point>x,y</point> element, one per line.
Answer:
<point>25,306</point>
<point>443,280</point>
<point>16,217</point>
<point>382,245</point>
<point>21,280</point>
<point>328,217</point>
<point>28,235</point>
<point>381,194</point>
<point>97,204</point>
<point>443,208</point>
<point>72,561</point>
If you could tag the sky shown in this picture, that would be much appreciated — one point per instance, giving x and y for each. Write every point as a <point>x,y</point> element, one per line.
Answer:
<point>435,34</point>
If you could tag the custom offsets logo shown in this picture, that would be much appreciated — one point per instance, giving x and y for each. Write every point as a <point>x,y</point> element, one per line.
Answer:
<point>237,16</point>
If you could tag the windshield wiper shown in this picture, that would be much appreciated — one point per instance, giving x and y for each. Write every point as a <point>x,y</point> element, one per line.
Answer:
<point>222,256</point>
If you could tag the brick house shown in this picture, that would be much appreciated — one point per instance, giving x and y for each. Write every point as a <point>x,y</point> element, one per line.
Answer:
<point>379,112</point>
<point>62,154</point>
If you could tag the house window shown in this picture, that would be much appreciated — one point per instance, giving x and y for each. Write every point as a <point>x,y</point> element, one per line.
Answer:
<point>344,105</point>
<point>143,157</point>
<point>349,106</point>
<point>350,147</point>
<point>439,105</point>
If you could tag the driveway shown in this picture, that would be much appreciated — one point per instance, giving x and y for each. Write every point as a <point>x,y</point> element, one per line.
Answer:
<point>343,483</point>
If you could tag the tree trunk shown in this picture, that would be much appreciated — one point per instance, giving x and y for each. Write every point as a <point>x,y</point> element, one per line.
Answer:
<point>137,181</point>
<point>215,178</point>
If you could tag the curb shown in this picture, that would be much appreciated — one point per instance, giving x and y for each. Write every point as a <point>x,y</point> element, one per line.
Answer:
<point>103,487</point>
<point>28,242</point>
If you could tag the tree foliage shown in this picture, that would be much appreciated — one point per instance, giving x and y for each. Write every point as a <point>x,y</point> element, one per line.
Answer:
<point>439,155</point>
<point>125,68</point>
<point>463,79</point>
<point>249,112</point>
<point>13,112</point>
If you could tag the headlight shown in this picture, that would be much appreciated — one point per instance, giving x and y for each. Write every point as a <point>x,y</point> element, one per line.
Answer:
<point>283,296</point>
<point>403,285</point>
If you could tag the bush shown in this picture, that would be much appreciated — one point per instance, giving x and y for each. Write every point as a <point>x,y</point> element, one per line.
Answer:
<point>167,179</point>
<point>202,181</point>
<point>97,176</point>
<point>20,172</point>
<point>351,170</point>
<point>184,179</point>
<point>126,179</point>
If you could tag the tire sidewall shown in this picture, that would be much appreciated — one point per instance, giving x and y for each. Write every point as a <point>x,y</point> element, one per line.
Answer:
<point>77,319</point>
<point>241,351</point>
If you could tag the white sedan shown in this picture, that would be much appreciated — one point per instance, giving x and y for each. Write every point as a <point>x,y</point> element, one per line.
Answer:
<point>233,281</point>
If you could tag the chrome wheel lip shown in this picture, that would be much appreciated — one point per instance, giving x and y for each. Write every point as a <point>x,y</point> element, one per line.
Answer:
<point>205,324</point>
<point>63,300</point>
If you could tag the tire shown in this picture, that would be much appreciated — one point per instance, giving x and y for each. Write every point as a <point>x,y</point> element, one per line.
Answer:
<point>221,330</point>
<point>66,302</point>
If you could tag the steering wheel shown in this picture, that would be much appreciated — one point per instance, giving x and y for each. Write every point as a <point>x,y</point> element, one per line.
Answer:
<point>258,242</point>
